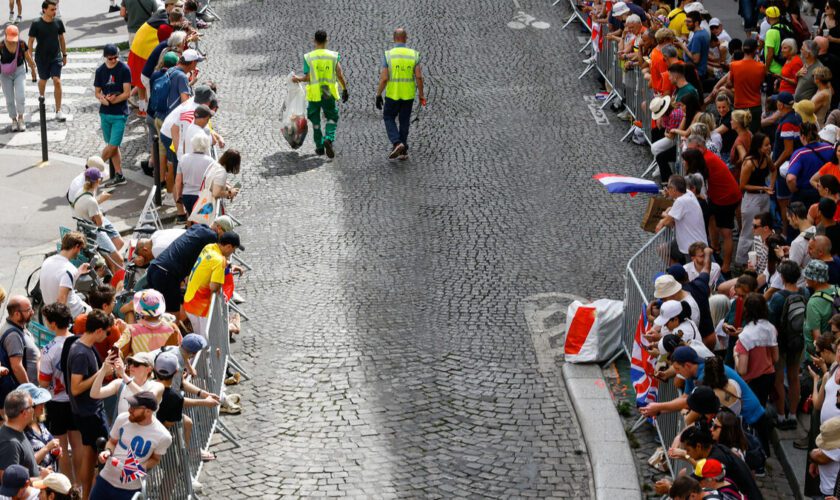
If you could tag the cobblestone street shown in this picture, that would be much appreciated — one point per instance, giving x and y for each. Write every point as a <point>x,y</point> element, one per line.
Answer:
<point>389,353</point>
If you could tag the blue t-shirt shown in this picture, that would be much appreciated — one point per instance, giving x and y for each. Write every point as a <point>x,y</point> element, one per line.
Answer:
<point>751,409</point>
<point>153,59</point>
<point>179,83</point>
<point>787,129</point>
<point>699,45</point>
<point>807,161</point>
<point>111,81</point>
<point>180,256</point>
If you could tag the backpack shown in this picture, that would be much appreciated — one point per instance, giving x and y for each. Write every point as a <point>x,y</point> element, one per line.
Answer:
<point>63,360</point>
<point>785,32</point>
<point>8,382</point>
<point>158,102</point>
<point>834,299</point>
<point>792,322</point>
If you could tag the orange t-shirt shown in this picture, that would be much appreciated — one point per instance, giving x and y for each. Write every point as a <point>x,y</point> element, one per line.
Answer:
<point>746,76</point>
<point>101,347</point>
<point>658,71</point>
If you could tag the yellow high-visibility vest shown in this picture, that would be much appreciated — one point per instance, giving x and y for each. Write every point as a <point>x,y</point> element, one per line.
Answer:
<point>322,64</point>
<point>401,62</point>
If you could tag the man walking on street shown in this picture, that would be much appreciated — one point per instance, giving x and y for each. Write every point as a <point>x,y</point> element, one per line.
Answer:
<point>322,73</point>
<point>112,86</point>
<point>401,77</point>
<point>51,53</point>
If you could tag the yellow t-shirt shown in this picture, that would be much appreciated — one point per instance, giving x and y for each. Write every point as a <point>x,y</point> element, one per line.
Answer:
<point>209,268</point>
<point>677,22</point>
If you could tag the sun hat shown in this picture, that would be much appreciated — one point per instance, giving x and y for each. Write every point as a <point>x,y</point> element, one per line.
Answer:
<point>149,303</point>
<point>96,162</point>
<point>829,438</point>
<point>666,286</point>
<point>38,394</point>
<point>669,310</point>
<point>805,110</point>
<point>659,105</point>
<point>816,270</point>
<point>829,133</point>
<point>55,481</point>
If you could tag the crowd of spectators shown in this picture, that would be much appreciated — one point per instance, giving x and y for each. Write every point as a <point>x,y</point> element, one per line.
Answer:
<point>89,412</point>
<point>747,317</point>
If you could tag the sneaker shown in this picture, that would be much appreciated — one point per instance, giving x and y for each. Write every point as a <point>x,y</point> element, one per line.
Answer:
<point>168,200</point>
<point>18,20</point>
<point>319,151</point>
<point>12,16</point>
<point>789,423</point>
<point>624,115</point>
<point>147,168</point>
<point>181,218</point>
<point>230,409</point>
<point>402,157</point>
<point>196,486</point>
<point>116,180</point>
<point>14,126</point>
<point>59,116</point>
<point>760,472</point>
<point>591,60</point>
<point>113,8</point>
<point>21,124</point>
<point>398,150</point>
<point>329,149</point>
<point>801,443</point>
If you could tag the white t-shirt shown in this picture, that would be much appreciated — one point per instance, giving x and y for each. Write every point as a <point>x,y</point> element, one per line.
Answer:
<point>799,249</point>
<point>58,272</point>
<point>185,144</point>
<point>693,273</point>
<point>216,176</point>
<point>762,29</point>
<point>688,221</point>
<point>125,391</point>
<point>50,368</point>
<point>828,472</point>
<point>695,309</point>
<point>86,207</point>
<point>163,238</point>
<point>187,108</point>
<point>76,186</point>
<point>143,440</point>
<point>31,494</point>
<point>690,334</point>
<point>724,37</point>
<point>192,167</point>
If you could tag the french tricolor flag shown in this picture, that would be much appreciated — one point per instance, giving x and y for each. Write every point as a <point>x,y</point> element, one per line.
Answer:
<point>623,184</point>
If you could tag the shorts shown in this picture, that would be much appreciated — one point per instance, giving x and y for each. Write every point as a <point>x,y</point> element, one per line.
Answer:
<point>103,490</point>
<point>189,201</point>
<point>105,234</point>
<point>724,215</point>
<point>48,69</point>
<point>782,190</point>
<point>135,64</point>
<point>788,358</point>
<point>59,417</point>
<point>91,427</point>
<point>159,279</point>
<point>170,155</point>
<point>113,128</point>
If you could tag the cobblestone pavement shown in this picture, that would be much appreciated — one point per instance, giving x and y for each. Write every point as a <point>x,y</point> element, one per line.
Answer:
<point>388,348</point>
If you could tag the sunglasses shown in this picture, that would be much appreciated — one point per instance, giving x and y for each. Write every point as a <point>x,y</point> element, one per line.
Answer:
<point>112,58</point>
<point>757,226</point>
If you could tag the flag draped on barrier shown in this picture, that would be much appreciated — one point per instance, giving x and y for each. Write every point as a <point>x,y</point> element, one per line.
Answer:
<point>642,365</point>
<point>616,183</point>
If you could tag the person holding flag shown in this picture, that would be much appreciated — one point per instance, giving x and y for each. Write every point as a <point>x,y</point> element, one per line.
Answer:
<point>137,443</point>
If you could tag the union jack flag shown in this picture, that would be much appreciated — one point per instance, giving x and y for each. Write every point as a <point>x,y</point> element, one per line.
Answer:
<point>642,365</point>
<point>131,469</point>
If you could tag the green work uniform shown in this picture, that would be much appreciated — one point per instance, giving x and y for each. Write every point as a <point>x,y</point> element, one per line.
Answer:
<point>321,93</point>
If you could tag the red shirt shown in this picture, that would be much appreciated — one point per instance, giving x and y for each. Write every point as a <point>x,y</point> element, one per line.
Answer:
<point>789,70</point>
<point>746,77</point>
<point>723,188</point>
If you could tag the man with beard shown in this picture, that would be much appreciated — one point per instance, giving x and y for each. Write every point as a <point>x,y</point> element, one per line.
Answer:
<point>136,436</point>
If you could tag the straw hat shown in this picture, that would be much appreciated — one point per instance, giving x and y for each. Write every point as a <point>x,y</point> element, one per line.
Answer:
<point>659,105</point>
<point>805,110</point>
<point>829,438</point>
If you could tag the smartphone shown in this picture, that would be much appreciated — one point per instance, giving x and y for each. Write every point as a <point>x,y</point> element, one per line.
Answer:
<point>113,351</point>
<point>816,369</point>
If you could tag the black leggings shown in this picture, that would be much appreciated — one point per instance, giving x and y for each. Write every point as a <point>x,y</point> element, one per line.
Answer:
<point>762,386</point>
<point>664,160</point>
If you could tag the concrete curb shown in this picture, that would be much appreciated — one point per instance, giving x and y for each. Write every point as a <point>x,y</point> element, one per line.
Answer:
<point>787,462</point>
<point>613,464</point>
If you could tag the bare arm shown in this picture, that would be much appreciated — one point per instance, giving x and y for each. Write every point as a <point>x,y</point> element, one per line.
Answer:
<point>79,384</point>
<point>63,293</point>
<point>418,78</point>
<point>383,81</point>
<point>16,364</point>
<point>339,73</point>
<point>96,389</point>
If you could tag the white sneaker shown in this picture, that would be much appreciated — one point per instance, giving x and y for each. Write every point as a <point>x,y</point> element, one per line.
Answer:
<point>12,16</point>
<point>14,127</point>
<point>59,116</point>
<point>196,486</point>
<point>591,60</point>
<point>169,200</point>
<point>21,123</point>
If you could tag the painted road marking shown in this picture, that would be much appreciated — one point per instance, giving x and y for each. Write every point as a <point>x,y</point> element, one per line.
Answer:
<point>545,314</point>
<point>31,138</point>
<point>594,106</point>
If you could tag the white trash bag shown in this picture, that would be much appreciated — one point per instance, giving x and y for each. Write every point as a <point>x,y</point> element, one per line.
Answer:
<point>293,113</point>
<point>593,331</point>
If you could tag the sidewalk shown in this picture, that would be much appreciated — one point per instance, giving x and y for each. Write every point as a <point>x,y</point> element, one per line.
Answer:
<point>33,197</point>
<point>88,22</point>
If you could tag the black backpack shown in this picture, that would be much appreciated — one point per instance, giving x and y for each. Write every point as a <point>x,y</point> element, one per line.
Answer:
<point>785,32</point>
<point>8,382</point>
<point>834,299</point>
<point>792,323</point>
<point>63,360</point>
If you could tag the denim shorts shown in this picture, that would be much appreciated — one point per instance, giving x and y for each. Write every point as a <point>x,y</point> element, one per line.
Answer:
<point>104,236</point>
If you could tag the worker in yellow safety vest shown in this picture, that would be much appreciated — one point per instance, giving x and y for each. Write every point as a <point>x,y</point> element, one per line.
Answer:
<point>322,74</point>
<point>401,78</point>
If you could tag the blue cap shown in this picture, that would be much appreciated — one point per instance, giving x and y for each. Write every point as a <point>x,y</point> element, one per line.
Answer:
<point>785,98</point>
<point>110,50</point>
<point>685,354</point>
<point>678,272</point>
<point>193,342</point>
<point>14,478</point>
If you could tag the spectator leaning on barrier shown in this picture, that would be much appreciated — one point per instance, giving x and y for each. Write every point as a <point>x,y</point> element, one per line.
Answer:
<point>147,249</point>
<point>207,278</point>
<point>58,276</point>
<point>152,330</point>
<point>138,440</point>
<point>685,216</point>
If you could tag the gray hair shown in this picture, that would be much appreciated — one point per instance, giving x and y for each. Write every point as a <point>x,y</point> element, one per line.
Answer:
<point>791,44</point>
<point>811,46</point>
<point>696,140</point>
<point>668,51</point>
<point>16,403</point>
<point>700,129</point>
<point>695,181</point>
<point>201,143</point>
<point>176,39</point>
<point>633,19</point>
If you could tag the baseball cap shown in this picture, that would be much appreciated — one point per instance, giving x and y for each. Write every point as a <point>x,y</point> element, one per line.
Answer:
<point>39,396</point>
<point>170,59</point>
<point>56,482</point>
<point>93,174</point>
<point>678,272</point>
<point>191,55</point>
<point>12,33</point>
<point>714,22</point>
<point>708,468</point>
<point>693,7</point>
<point>685,354</point>
<point>669,310</point>
<point>142,358</point>
<point>772,12</point>
<point>14,478</point>
<point>110,50</point>
<point>143,399</point>
<point>784,97</point>
<point>193,342</point>
<point>230,238</point>
<point>166,364</point>
<point>96,162</point>
<point>703,400</point>
<point>203,94</point>
<point>224,222</point>
<point>829,133</point>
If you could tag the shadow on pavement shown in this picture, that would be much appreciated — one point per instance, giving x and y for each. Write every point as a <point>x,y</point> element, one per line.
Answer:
<point>285,163</point>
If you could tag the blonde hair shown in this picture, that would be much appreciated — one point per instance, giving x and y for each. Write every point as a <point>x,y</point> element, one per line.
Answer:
<point>706,119</point>
<point>822,74</point>
<point>700,128</point>
<point>742,117</point>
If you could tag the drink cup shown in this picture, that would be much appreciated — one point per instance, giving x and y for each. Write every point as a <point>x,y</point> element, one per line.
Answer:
<point>752,257</point>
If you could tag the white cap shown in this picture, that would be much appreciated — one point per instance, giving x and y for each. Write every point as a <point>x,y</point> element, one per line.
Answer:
<point>191,55</point>
<point>620,9</point>
<point>669,310</point>
<point>693,7</point>
<point>714,22</point>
